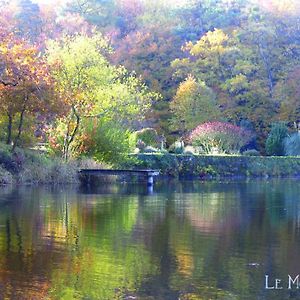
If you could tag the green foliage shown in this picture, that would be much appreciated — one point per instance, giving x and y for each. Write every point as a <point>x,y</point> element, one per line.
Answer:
<point>107,141</point>
<point>245,67</point>
<point>240,60</point>
<point>147,135</point>
<point>91,87</point>
<point>219,166</point>
<point>274,142</point>
<point>292,145</point>
<point>193,103</point>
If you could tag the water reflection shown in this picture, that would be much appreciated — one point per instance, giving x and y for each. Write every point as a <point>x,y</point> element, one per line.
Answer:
<point>186,240</point>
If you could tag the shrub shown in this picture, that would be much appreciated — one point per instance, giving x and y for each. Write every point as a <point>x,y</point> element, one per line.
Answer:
<point>6,157</point>
<point>177,148</point>
<point>292,145</point>
<point>107,141</point>
<point>5,176</point>
<point>251,152</point>
<point>275,140</point>
<point>220,136</point>
<point>148,135</point>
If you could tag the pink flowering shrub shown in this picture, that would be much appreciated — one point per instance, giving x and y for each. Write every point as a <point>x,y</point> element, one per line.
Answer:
<point>220,136</point>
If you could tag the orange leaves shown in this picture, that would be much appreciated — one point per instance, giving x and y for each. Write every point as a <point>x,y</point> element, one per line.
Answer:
<point>21,65</point>
<point>25,81</point>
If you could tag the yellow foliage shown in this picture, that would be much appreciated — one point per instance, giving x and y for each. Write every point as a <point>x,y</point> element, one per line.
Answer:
<point>213,41</point>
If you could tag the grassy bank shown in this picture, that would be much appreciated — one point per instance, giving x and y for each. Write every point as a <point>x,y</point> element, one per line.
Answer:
<point>31,167</point>
<point>219,166</point>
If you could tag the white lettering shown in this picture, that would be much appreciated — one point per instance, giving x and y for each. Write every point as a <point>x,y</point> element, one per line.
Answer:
<point>267,287</point>
<point>293,281</point>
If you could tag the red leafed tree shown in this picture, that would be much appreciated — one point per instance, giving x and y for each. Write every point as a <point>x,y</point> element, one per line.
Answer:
<point>220,136</point>
<point>25,85</point>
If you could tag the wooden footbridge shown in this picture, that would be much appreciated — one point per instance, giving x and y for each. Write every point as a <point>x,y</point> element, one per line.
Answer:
<point>148,174</point>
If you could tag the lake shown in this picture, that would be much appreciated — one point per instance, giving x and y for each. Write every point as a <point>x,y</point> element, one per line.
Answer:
<point>183,240</point>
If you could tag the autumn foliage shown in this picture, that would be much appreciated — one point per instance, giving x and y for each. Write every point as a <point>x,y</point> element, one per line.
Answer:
<point>146,64</point>
<point>220,137</point>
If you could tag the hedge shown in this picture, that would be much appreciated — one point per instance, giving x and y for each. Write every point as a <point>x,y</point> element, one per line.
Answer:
<point>206,166</point>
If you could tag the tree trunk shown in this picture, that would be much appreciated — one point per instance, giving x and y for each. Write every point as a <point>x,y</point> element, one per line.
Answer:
<point>70,137</point>
<point>21,121</point>
<point>66,140</point>
<point>20,129</point>
<point>9,129</point>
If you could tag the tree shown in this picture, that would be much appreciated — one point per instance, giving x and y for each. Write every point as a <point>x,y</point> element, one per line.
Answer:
<point>286,95</point>
<point>24,85</point>
<point>275,140</point>
<point>93,88</point>
<point>220,136</point>
<point>234,68</point>
<point>193,103</point>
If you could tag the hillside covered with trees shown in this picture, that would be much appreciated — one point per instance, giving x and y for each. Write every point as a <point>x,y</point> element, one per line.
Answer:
<point>82,76</point>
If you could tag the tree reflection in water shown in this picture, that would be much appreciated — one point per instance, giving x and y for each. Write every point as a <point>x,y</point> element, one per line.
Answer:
<point>187,240</point>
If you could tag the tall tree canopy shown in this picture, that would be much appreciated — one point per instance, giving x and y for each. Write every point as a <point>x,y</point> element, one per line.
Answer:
<point>93,88</point>
<point>241,55</point>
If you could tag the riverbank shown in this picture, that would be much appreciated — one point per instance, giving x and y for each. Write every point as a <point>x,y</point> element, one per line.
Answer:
<point>204,166</point>
<point>32,167</point>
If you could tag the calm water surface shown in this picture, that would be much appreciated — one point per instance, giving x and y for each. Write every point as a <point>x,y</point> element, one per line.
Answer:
<point>186,240</point>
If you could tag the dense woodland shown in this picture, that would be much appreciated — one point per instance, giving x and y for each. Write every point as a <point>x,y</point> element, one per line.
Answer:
<point>83,75</point>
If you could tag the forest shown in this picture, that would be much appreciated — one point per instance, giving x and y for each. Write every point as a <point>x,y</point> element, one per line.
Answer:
<point>104,78</point>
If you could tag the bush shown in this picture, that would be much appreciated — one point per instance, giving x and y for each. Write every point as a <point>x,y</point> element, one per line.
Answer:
<point>147,135</point>
<point>107,141</point>
<point>292,145</point>
<point>251,152</point>
<point>177,148</point>
<point>5,176</point>
<point>220,166</point>
<point>275,140</point>
<point>220,137</point>
<point>10,161</point>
